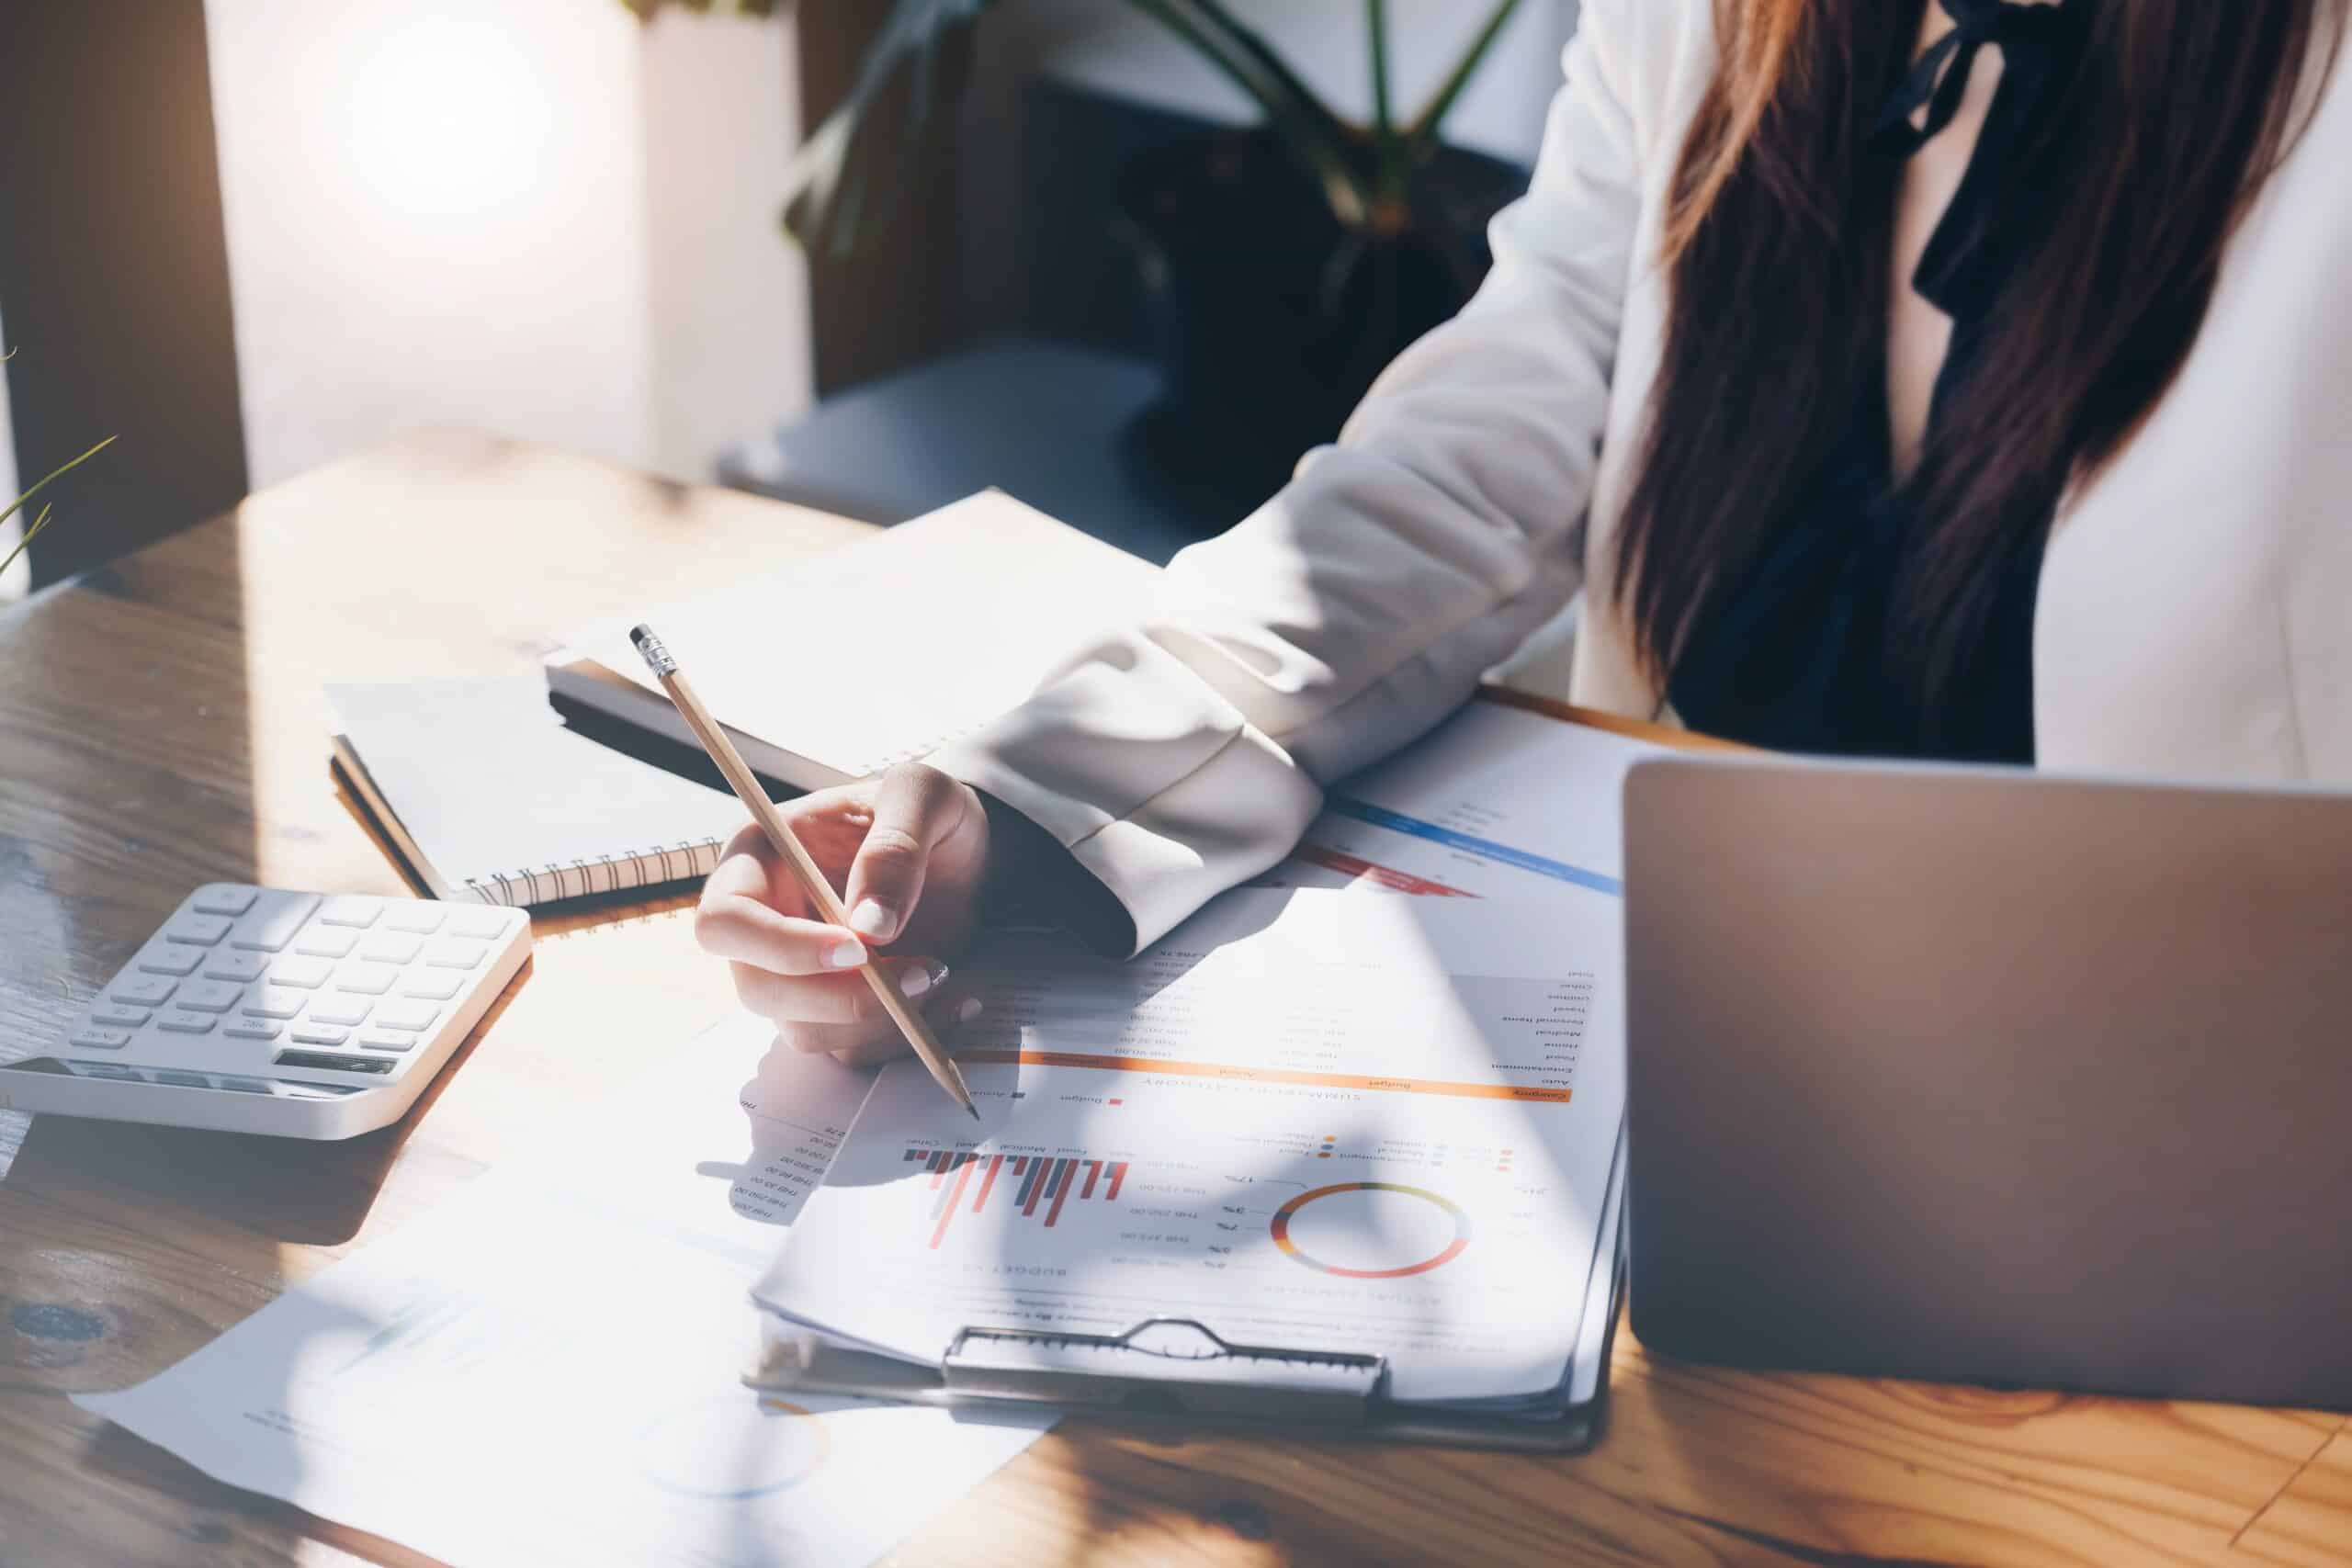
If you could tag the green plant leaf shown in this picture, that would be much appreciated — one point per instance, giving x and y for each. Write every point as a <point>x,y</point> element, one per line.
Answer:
<point>50,477</point>
<point>1318,139</point>
<point>1422,139</point>
<point>1376,23</point>
<point>27,542</point>
<point>850,174</point>
<point>646,9</point>
<point>40,520</point>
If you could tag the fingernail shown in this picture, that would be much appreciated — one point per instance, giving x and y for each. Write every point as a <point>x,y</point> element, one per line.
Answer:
<point>925,979</point>
<point>848,955</point>
<point>969,1010</point>
<point>870,919</point>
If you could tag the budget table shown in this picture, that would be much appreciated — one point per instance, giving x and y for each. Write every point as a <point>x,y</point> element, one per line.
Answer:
<point>161,725</point>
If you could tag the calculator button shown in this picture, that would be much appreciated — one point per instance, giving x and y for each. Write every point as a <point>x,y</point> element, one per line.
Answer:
<point>100,1038</point>
<point>197,930</point>
<point>180,1022</point>
<point>252,1029</point>
<point>326,942</point>
<point>454,954</point>
<point>389,949</point>
<point>184,1080</point>
<point>245,1085</point>
<point>358,913</point>
<point>388,1040</point>
<point>211,996</point>
<point>407,1015</point>
<point>225,898</point>
<point>440,987</point>
<point>108,1070</point>
<point>420,919</point>
<point>478,923</point>
<point>170,958</point>
<point>143,990</point>
<point>273,920</point>
<point>271,924</point>
<point>367,979</point>
<point>275,1001</point>
<point>230,965</point>
<point>308,973</point>
<point>110,1015</point>
<point>339,1010</point>
<point>318,1034</point>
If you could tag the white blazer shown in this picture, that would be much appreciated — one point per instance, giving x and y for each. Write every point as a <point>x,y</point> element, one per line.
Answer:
<point>2194,613</point>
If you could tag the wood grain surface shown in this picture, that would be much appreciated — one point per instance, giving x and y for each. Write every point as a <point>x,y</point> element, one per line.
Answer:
<point>161,725</point>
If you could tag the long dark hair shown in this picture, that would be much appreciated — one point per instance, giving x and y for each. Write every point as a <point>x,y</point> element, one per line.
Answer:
<point>1776,247</point>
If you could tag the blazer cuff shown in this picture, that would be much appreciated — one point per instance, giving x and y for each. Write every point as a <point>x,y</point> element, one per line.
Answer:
<point>1163,822</point>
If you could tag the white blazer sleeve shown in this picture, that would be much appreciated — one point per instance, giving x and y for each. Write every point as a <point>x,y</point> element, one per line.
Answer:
<point>1360,605</point>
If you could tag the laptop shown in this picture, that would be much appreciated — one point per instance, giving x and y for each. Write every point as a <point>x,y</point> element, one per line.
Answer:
<point>1992,1076</point>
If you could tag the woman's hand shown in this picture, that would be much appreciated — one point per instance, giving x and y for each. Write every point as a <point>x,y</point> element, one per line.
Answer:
<point>906,850</point>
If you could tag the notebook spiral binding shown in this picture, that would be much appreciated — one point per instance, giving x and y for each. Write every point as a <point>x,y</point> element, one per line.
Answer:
<point>622,872</point>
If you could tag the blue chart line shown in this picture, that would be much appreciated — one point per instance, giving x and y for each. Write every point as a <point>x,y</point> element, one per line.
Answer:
<point>1395,822</point>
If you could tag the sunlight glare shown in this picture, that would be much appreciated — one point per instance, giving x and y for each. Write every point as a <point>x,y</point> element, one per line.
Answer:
<point>448,115</point>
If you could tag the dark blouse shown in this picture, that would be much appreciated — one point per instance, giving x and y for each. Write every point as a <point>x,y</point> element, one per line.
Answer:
<point>1795,657</point>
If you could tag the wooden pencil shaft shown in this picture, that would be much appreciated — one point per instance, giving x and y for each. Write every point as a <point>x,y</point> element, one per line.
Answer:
<point>818,891</point>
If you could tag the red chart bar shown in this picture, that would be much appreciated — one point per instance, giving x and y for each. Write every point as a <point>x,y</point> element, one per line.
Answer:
<point>987,1181</point>
<point>1043,1178</point>
<point>955,1195</point>
<point>1067,1168</point>
<point>1389,878</point>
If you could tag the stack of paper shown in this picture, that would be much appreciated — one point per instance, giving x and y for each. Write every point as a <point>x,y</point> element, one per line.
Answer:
<point>1307,1120</point>
<point>1498,802</point>
<point>546,1369</point>
<point>1007,589</point>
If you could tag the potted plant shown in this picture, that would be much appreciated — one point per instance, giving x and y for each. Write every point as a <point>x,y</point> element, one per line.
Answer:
<point>1285,264</point>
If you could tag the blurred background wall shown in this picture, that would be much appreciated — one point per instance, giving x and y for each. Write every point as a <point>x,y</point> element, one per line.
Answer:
<point>533,216</point>
<point>251,236</point>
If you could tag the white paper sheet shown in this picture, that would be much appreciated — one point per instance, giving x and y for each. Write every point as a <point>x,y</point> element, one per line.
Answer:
<point>950,573</point>
<point>544,1370</point>
<point>1305,1118</point>
<point>1495,803</point>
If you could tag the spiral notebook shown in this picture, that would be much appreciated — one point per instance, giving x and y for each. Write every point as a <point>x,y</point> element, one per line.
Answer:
<point>489,798</point>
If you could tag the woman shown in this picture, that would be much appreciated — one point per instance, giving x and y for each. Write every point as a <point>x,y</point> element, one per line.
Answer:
<point>1907,377</point>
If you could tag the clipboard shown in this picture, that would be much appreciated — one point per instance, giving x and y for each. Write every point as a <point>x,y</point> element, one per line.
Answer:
<point>1174,1371</point>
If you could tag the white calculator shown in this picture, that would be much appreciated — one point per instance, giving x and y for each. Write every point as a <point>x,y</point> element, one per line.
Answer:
<point>254,1009</point>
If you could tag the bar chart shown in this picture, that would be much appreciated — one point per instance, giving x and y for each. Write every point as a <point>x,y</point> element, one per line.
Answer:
<point>1035,1185</point>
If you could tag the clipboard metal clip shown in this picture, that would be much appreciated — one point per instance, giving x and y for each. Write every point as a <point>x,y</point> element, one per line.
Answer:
<point>1164,1371</point>
<point>1164,1366</point>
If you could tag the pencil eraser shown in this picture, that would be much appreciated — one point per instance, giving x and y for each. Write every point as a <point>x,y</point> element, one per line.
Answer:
<point>649,649</point>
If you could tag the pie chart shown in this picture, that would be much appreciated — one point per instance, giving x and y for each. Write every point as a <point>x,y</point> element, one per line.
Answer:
<point>1371,1230</point>
<point>732,1448</point>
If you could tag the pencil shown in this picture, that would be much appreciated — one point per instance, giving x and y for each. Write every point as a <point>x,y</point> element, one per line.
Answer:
<point>818,891</point>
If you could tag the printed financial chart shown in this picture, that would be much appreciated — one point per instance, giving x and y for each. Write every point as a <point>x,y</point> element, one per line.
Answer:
<point>1309,1012</point>
<point>1495,803</point>
<point>1433,1227</point>
<point>1306,1119</point>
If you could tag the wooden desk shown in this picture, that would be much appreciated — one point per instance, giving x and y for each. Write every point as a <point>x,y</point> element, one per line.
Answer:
<point>161,725</point>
